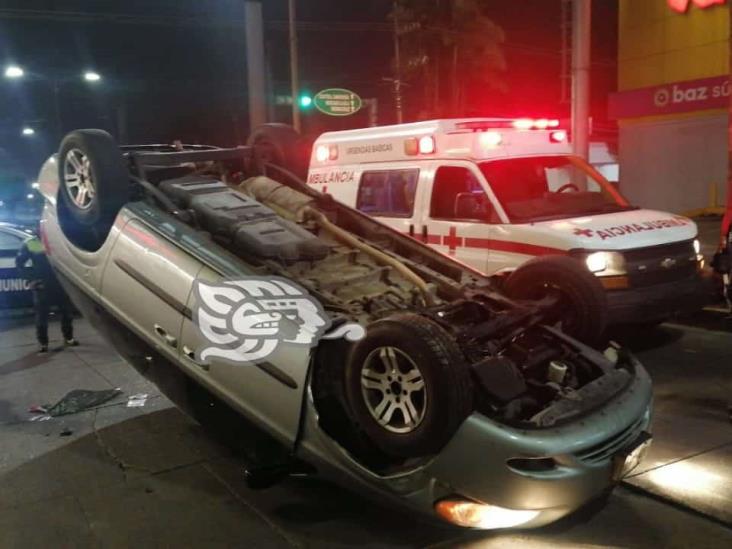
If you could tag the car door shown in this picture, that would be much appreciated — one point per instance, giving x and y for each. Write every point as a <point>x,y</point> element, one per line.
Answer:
<point>457,213</point>
<point>268,392</point>
<point>147,282</point>
<point>14,290</point>
<point>389,194</point>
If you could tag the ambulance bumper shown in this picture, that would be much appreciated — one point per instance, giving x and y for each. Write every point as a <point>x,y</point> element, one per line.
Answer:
<point>656,303</point>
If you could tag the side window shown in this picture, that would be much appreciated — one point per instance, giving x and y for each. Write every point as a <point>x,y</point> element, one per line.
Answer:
<point>9,244</point>
<point>458,195</point>
<point>388,193</point>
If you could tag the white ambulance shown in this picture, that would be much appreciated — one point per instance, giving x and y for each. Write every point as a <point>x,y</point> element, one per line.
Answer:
<point>497,193</point>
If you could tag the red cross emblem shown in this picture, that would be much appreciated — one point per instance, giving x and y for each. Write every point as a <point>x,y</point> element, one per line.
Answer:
<point>452,241</point>
<point>584,232</point>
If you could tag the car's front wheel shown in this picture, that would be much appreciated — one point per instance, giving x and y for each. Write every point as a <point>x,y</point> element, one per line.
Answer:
<point>408,385</point>
<point>581,303</point>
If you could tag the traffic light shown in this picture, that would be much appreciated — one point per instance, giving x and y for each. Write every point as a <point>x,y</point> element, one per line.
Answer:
<point>305,100</point>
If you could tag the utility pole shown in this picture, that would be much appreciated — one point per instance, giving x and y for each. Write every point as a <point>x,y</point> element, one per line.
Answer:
<point>294,76</point>
<point>565,76</point>
<point>397,67</point>
<point>255,64</point>
<point>56,86</point>
<point>581,40</point>
<point>373,106</point>
<point>122,129</point>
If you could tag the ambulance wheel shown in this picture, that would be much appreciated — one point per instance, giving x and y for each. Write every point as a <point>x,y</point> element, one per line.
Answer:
<point>281,145</point>
<point>93,186</point>
<point>581,309</point>
<point>408,385</point>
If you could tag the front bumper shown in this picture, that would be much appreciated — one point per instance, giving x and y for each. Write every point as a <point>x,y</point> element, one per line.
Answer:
<point>654,303</point>
<point>474,463</point>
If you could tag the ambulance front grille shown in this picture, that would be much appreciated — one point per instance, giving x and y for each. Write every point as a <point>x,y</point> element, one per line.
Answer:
<point>660,264</point>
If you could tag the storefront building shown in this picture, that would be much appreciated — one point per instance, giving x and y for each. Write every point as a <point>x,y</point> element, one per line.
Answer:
<point>673,102</point>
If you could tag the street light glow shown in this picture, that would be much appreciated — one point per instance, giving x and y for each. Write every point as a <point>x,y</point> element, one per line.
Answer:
<point>28,131</point>
<point>13,71</point>
<point>91,76</point>
<point>35,185</point>
<point>29,196</point>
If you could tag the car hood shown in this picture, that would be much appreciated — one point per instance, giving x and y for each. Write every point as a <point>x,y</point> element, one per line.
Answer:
<point>612,231</point>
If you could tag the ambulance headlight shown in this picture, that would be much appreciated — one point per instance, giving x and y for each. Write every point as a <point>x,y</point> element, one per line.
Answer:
<point>610,263</point>
<point>597,262</point>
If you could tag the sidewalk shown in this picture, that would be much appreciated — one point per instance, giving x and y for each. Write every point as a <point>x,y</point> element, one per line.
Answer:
<point>149,477</point>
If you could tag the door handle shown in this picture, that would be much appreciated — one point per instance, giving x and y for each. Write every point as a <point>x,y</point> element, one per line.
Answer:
<point>411,230</point>
<point>424,234</point>
<point>169,339</point>
<point>191,354</point>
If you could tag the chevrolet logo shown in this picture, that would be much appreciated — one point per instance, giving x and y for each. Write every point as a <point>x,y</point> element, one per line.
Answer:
<point>668,263</point>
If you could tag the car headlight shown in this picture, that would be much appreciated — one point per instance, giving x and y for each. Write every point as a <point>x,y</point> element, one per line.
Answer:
<point>697,246</point>
<point>605,263</point>
<point>470,514</point>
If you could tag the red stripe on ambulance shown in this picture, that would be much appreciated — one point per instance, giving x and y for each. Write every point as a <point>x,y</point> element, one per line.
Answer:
<point>453,242</point>
<point>512,247</point>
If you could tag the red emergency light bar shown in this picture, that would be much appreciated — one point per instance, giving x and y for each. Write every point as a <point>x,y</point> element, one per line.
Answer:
<point>518,124</point>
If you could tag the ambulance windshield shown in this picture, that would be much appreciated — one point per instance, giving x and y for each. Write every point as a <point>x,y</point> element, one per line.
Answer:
<point>550,187</point>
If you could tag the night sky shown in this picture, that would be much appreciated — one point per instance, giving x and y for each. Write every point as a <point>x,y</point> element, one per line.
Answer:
<point>176,68</point>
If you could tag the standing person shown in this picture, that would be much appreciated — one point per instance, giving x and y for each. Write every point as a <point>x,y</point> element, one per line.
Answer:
<point>47,291</point>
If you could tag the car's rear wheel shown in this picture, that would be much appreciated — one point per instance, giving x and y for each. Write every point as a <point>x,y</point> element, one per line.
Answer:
<point>93,185</point>
<point>581,303</point>
<point>408,385</point>
<point>280,145</point>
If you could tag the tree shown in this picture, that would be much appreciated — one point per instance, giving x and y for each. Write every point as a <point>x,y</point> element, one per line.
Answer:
<point>451,50</point>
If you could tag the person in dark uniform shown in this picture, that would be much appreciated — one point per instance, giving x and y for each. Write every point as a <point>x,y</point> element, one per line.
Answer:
<point>47,291</point>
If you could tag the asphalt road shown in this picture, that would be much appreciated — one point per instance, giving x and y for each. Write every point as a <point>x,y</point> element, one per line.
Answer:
<point>150,477</point>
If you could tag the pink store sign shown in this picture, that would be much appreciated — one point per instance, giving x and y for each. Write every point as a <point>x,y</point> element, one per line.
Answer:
<point>678,97</point>
<point>682,5</point>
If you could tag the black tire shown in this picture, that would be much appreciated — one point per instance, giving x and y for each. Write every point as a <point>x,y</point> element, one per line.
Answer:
<point>584,313</point>
<point>106,175</point>
<point>281,145</point>
<point>445,400</point>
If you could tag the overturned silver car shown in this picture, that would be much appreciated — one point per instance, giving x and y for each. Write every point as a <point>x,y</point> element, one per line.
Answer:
<point>377,361</point>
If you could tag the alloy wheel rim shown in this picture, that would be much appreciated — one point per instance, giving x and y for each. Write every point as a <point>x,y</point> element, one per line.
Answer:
<point>78,179</point>
<point>393,389</point>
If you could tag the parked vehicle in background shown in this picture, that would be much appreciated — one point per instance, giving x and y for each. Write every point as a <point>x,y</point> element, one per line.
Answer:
<point>19,203</point>
<point>14,290</point>
<point>455,401</point>
<point>722,262</point>
<point>501,195</point>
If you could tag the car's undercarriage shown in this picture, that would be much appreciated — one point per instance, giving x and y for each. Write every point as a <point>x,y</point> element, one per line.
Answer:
<point>523,373</point>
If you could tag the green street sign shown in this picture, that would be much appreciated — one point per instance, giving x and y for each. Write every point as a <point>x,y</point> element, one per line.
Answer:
<point>337,102</point>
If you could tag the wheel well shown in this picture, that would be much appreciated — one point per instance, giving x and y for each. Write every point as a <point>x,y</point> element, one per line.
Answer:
<point>334,416</point>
